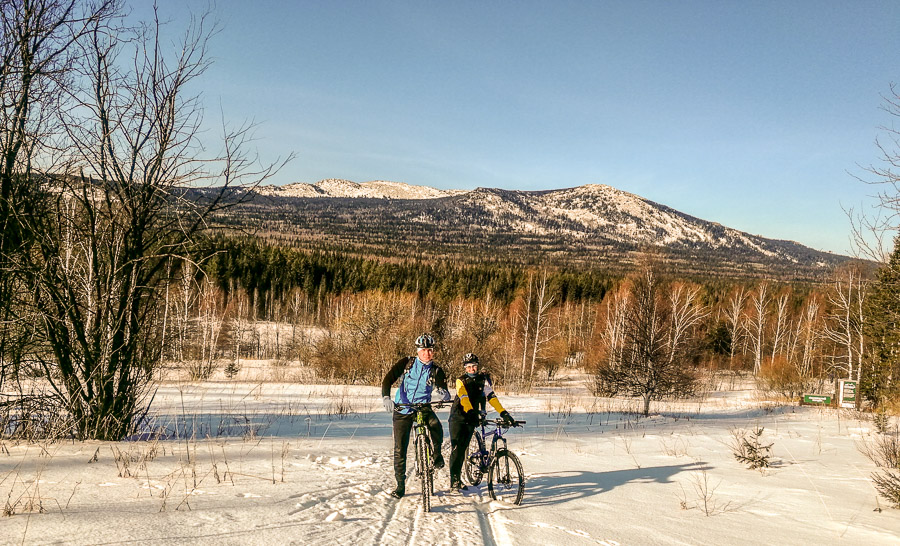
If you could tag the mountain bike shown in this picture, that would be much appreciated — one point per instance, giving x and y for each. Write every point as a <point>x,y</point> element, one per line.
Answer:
<point>424,450</point>
<point>505,479</point>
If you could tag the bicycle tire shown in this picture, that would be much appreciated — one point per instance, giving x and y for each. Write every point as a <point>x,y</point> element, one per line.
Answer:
<point>472,462</point>
<point>426,471</point>
<point>506,481</point>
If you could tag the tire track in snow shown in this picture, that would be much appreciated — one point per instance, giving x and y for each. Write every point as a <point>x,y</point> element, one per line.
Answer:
<point>484,523</point>
<point>386,521</point>
<point>396,525</point>
<point>414,525</point>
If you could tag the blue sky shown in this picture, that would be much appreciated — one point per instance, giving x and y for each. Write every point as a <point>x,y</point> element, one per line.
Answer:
<point>752,114</point>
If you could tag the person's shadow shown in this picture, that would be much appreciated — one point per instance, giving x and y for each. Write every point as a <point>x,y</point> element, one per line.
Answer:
<point>557,487</point>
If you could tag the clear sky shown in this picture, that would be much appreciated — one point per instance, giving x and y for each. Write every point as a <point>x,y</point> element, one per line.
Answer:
<point>752,114</point>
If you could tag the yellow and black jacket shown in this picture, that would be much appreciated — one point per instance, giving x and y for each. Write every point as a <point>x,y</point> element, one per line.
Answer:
<point>474,392</point>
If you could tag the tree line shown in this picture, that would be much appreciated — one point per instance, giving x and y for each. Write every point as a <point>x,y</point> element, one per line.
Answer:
<point>645,334</point>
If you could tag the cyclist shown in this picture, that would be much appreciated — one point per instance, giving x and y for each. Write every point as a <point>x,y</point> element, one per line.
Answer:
<point>419,376</point>
<point>473,391</point>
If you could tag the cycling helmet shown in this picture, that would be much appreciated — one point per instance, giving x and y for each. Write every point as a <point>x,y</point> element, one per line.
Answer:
<point>425,341</point>
<point>470,358</point>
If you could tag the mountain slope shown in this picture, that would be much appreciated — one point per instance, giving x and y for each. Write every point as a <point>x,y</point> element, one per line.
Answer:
<point>591,225</point>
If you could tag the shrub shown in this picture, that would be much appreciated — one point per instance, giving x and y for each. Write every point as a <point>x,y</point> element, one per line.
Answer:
<point>781,377</point>
<point>885,453</point>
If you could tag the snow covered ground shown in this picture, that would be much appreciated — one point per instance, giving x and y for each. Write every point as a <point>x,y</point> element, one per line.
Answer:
<point>279,463</point>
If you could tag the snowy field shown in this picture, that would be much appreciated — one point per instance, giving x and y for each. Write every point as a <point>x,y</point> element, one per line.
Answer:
<point>280,463</point>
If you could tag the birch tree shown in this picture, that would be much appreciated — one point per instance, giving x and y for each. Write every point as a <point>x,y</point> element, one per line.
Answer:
<point>780,328</point>
<point>526,328</point>
<point>844,327</point>
<point>542,332</point>
<point>759,314</point>
<point>807,336</point>
<point>734,316</point>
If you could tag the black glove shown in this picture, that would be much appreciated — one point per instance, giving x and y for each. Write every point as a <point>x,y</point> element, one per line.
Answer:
<point>472,418</point>
<point>507,419</point>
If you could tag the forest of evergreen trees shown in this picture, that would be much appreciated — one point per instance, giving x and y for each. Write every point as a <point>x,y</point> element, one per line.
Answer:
<point>269,272</point>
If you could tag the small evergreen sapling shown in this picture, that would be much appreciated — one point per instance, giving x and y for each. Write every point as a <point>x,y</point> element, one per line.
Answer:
<point>747,448</point>
<point>232,369</point>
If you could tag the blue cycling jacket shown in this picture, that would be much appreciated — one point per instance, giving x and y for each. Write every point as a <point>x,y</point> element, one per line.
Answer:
<point>417,382</point>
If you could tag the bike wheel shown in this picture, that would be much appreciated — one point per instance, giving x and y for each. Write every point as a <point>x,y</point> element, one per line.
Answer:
<point>506,481</point>
<point>426,470</point>
<point>473,462</point>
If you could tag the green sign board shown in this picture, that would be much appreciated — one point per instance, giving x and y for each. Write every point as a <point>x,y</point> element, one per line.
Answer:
<point>848,393</point>
<point>816,399</point>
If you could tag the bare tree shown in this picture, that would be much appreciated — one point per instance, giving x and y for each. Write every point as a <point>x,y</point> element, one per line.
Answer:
<point>126,203</point>
<point>542,333</point>
<point>844,326</point>
<point>655,357</point>
<point>807,335</point>
<point>759,315</point>
<point>687,314</point>
<point>734,316</point>
<point>526,328</point>
<point>37,49</point>
<point>613,328</point>
<point>873,233</point>
<point>210,319</point>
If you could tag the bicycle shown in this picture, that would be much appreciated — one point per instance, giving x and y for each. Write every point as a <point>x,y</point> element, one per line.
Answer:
<point>424,451</point>
<point>505,478</point>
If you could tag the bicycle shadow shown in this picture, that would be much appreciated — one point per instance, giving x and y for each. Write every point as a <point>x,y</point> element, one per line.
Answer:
<point>559,487</point>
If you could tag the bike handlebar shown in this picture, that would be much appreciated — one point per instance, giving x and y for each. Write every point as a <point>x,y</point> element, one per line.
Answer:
<point>420,405</point>
<point>502,423</point>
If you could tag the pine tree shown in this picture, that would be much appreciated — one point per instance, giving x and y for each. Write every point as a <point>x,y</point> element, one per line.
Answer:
<point>880,381</point>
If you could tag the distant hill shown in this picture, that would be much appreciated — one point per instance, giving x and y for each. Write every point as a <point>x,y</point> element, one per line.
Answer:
<point>335,187</point>
<point>590,225</point>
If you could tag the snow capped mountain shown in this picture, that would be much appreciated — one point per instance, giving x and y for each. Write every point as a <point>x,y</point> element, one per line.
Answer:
<point>593,223</point>
<point>376,189</point>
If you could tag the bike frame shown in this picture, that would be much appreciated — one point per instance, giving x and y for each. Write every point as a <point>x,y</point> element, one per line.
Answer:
<point>424,468</point>
<point>420,428</point>
<point>505,478</point>
<point>497,441</point>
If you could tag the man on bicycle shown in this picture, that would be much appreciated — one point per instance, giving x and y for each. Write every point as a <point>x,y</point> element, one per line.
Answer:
<point>473,391</point>
<point>419,376</point>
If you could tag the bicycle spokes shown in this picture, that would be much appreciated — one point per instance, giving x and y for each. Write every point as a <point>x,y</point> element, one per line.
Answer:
<point>476,460</point>
<point>506,481</point>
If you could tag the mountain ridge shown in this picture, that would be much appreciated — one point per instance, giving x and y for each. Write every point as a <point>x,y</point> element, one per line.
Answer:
<point>589,224</point>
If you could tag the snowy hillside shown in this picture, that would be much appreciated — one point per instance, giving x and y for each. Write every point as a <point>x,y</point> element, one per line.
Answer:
<point>277,463</point>
<point>620,216</point>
